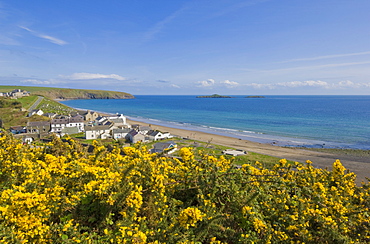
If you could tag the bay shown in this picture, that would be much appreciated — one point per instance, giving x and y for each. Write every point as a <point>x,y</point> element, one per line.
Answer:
<point>309,121</point>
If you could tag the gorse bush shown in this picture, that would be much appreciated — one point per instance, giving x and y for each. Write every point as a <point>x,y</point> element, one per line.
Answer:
<point>58,193</point>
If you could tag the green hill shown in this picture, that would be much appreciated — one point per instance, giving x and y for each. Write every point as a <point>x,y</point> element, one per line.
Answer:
<point>65,93</point>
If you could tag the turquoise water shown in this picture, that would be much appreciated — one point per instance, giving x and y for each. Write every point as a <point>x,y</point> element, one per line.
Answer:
<point>312,121</point>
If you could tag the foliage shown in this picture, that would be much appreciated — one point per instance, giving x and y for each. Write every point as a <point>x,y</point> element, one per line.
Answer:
<point>27,101</point>
<point>58,193</point>
<point>11,117</point>
<point>9,103</point>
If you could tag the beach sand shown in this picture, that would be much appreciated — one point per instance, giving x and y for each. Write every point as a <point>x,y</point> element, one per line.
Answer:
<point>360,165</point>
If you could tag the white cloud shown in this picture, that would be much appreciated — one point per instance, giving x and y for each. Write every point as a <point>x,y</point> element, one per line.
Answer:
<point>46,37</point>
<point>206,83</point>
<point>350,84</point>
<point>311,83</point>
<point>175,86</point>
<point>347,83</point>
<point>260,86</point>
<point>39,82</point>
<point>229,83</point>
<point>91,76</point>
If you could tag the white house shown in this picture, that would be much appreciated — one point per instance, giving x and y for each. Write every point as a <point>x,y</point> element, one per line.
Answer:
<point>61,122</point>
<point>77,121</point>
<point>120,133</point>
<point>100,119</point>
<point>118,120</point>
<point>35,111</point>
<point>155,135</point>
<point>142,129</point>
<point>97,132</point>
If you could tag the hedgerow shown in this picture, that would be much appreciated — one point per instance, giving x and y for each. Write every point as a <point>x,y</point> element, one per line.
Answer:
<point>59,193</point>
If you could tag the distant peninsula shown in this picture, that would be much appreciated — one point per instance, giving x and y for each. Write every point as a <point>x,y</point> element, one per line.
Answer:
<point>69,94</point>
<point>214,96</point>
<point>254,97</point>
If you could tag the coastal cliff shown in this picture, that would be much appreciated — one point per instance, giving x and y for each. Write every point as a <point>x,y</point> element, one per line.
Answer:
<point>69,94</point>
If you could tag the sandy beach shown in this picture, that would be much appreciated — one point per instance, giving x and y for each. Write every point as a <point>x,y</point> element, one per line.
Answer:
<point>360,165</point>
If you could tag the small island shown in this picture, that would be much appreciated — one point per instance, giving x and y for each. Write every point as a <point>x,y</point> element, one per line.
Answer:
<point>254,97</point>
<point>214,96</point>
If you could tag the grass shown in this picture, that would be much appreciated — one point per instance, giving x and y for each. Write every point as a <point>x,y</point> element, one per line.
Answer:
<point>27,101</point>
<point>12,117</point>
<point>66,93</point>
<point>213,149</point>
<point>50,106</point>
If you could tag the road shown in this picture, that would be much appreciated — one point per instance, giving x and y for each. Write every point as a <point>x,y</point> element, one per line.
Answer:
<point>35,104</point>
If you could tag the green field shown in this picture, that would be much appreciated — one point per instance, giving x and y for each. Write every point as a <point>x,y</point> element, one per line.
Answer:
<point>66,93</point>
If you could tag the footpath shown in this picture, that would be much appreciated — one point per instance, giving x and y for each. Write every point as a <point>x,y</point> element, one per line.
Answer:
<point>35,104</point>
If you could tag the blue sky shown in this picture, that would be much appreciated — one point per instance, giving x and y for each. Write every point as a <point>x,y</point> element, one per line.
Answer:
<point>251,47</point>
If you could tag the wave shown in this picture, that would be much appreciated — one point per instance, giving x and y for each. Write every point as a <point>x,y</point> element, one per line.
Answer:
<point>296,136</point>
<point>245,134</point>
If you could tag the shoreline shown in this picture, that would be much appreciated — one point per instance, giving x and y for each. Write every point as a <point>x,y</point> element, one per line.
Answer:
<point>322,159</point>
<point>360,165</point>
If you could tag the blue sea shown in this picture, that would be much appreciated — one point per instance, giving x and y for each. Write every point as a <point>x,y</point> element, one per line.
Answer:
<point>303,121</point>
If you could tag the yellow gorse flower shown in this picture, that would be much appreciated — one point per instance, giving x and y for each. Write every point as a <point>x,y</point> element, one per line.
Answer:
<point>58,192</point>
<point>190,216</point>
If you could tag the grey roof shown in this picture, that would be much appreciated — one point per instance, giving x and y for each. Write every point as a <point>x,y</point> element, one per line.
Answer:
<point>117,121</point>
<point>126,130</point>
<point>163,145</point>
<point>39,123</point>
<point>88,112</point>
<point>144,127</point>
<point>49,114</point>
<point>133,133</point>
<point>153,132</point>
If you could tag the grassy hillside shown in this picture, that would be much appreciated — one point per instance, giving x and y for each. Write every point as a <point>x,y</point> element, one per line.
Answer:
<point>51,106</point>
<point>14,112</point>
<point>65,93</point>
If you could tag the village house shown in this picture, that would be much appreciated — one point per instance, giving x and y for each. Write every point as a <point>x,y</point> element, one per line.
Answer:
<point>90,116</point>
<point>61,121</point>
<point>155,135</point>
<point>120,133</point>
<point>58,123</point>
<point>35,111</point>
<point>77,121</point>
<point>97,132</point>
<point>26,139</point>
<point>38,127</point>
<point>134,136</point>
<point>18,93</point>
<point>101,119</point>
<point>168,147</point>
<point>50,115</point>
<point>17,129</point>
<point>142,129</point>
<point>119,120</point>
